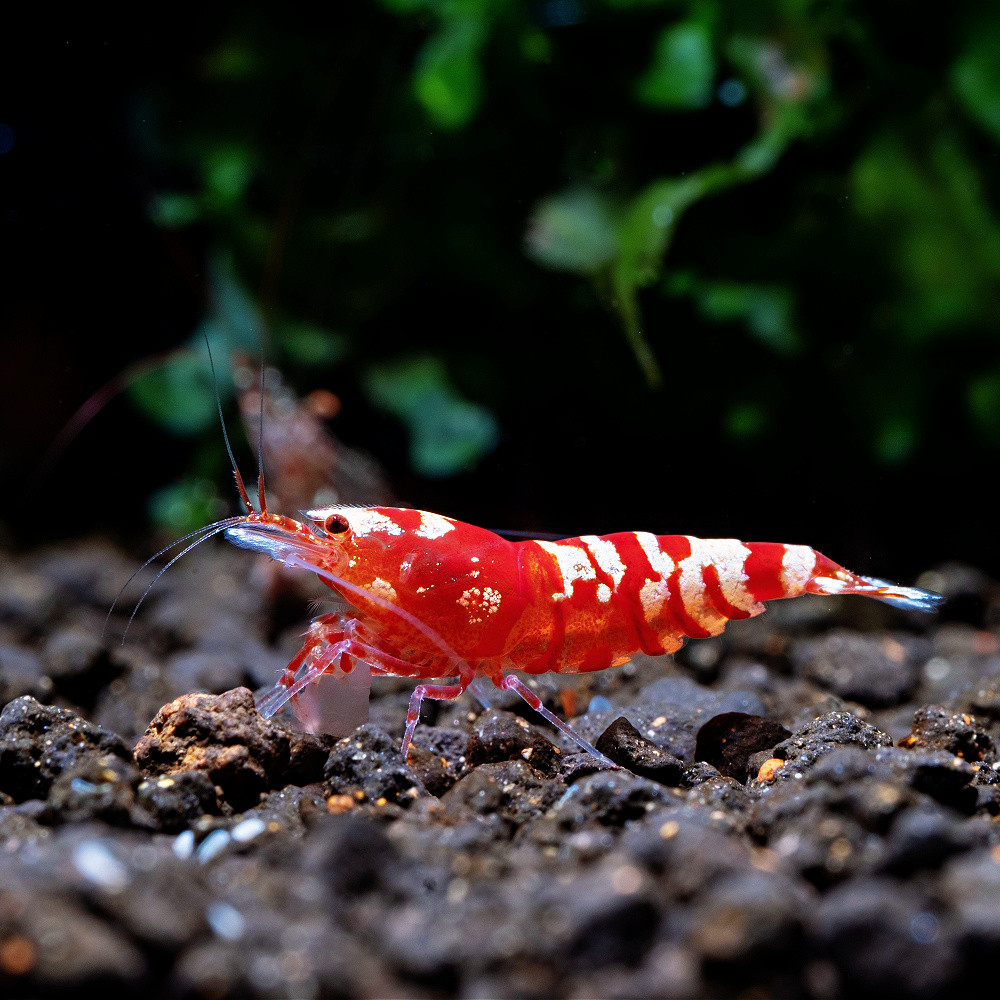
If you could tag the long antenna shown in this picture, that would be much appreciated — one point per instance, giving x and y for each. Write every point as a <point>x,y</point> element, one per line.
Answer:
<point>225,436</point>
<point>260,439</point>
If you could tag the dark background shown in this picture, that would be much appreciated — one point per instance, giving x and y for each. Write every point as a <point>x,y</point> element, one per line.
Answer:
<point>727,270</point>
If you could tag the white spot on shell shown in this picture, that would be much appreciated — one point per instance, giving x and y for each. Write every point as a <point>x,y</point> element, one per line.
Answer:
<point>433,525</point>
<point>479,602</point>
<point>658,559</point>
<point>652,596</point>
<point>367,521</point>
<point>728,556</point>
<point>574,564</point>
<point>603,593</point>
<point>470,597</point>
<point>382,588</point>
<point>606,556</point>
<point>797,565</point>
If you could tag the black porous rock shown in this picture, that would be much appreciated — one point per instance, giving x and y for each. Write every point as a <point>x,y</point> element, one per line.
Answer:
<point>883,937</point>
<point>607,916</point>
<point>925,836</point>
<point>509,791</point>
<point>935,728</point>
<point>307,756</point>
<point>442,755</point>
<point>367,763</point>
<point>352,855</point>
<point>818,737</point>
<point>99,787</point>
<point>223,735</point>
<point>941,775</point>
<point>505,736</point>
<point>748,917</point>
<point>608,798</point>
<point>729,740</point>
<point>875,671</point>
<point>983,700</point>
<point>178,799</point>
<point>40,742</point>
<point>79,950</point>
<point>626,746</point>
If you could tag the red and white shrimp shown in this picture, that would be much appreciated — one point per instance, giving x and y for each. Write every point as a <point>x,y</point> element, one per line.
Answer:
<point>433,597</point>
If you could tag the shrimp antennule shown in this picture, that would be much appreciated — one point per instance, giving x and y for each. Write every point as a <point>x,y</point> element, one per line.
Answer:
<point>229,448</point>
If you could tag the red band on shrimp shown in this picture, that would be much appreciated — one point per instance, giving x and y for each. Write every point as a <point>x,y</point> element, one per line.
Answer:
<point>763,570</point>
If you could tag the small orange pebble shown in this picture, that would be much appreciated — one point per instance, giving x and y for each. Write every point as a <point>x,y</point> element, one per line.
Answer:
<point>323,403</point>
<point>17,955</point>
<point>337,804</point>
<point>894,650</point>
<point>985,643</point>
<point>770,768</point>
<point>567,696</point>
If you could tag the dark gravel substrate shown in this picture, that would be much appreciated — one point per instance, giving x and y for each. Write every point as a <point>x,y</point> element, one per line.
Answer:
<point>807,808</point>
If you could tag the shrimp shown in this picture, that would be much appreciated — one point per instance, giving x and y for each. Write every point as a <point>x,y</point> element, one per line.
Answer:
<point>433,597</point>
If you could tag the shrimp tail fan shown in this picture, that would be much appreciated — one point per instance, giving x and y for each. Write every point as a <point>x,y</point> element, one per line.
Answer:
<point>906,598</point>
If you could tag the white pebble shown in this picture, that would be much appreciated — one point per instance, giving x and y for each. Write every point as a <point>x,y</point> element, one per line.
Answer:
<point>95,862</point>
<point>248,829</point>
<point>214,844</point>
<point>183,845</point>
<point>226,921</point>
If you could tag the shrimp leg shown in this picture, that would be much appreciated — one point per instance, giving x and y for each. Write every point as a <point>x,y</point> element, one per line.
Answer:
<point>511,682</point>
<point>437,692</point>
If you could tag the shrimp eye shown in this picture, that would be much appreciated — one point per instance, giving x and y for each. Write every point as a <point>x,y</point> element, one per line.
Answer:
<point>335,524</point>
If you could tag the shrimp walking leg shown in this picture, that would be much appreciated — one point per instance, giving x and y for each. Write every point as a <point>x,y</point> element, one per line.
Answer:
<point>437,692</point>
<point>311,663</point>
<point>513,683</point>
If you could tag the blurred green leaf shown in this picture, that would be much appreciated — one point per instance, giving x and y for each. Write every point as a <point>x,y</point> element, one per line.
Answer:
<point>928,205</point>
<point>766,311</point>
<point>233,60</point>
<point>746,420</point>
<point>178,394</point>
<point>574,231</point>
<point>983,399</point>
<point>448,434</point>
<point>235,321</point>
<point>448,77</point>
<point>975,76</point>
<point>682,72</point>
<point>627,4</point>
<point>174,211</point>
<point>186,506</point>
<point>312,345</point>
<point>227,171</point>
<point>648,224</point>
<point>896,439</point>
<point>406,6</point>
<point>535,45</point>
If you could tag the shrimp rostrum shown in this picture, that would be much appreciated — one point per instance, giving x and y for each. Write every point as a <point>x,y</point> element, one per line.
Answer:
<point>432,597</point>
